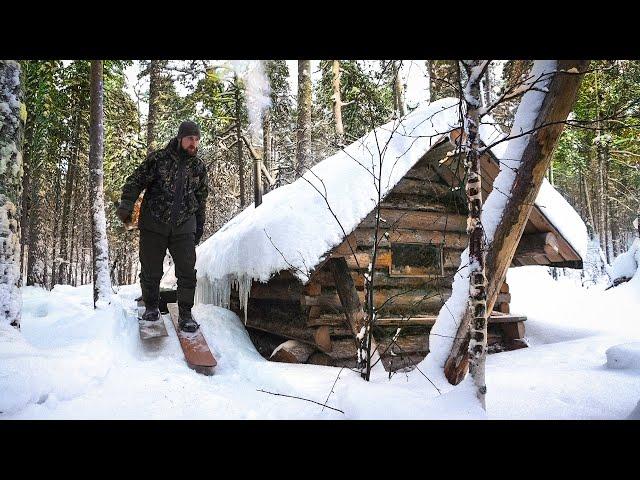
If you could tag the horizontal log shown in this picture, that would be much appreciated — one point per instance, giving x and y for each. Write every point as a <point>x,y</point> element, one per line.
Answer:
<point>322,337</point>
<point>292,351</point>
<point>283,330</point>
<point>362,259</point>
<point>408,219</point>
<point>418,298</point>
<point>337,320</point>
<point>407,201</point>
<point>422,170</point>
<point>513,330</point>
<point>320,358</point>
<point>542,224</point>
<point>279,319</point>
<point>345,348</point>
<point>287,291</point>
<point>381,278</point>
<point>504,288</point>
<point>538,244</point>
<point>497,317</point>
<point>365,237</point>
<point>422,188</point>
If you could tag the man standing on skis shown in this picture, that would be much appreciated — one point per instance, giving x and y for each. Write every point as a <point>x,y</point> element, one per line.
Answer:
<point>172,217</point>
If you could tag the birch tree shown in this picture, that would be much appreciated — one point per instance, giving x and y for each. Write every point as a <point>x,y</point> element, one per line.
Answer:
<point>101,277</point>
<point>477,280</point>
<point>13,115</point>
<point>337,103</point>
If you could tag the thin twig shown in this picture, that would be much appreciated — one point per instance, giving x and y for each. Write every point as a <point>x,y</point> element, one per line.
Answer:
<point>301,398</point>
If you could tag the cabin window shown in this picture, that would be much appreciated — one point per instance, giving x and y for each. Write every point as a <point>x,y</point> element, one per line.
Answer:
<point>415,259</point>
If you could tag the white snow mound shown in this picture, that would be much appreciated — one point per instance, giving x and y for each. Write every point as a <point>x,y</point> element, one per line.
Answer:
<point>624,356</point>
<point>626,264</point>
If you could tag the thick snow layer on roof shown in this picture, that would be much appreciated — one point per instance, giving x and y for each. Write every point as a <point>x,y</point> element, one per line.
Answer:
<point>564,217</point>
<point>293,227</point>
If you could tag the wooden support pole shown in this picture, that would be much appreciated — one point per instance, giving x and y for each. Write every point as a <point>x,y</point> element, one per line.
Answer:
<point>350,301</point>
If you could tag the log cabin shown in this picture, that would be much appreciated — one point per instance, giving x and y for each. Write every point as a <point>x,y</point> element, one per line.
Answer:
<point>302,292</point>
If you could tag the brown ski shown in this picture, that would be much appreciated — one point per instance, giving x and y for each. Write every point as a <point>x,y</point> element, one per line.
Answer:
<point>195,348</point>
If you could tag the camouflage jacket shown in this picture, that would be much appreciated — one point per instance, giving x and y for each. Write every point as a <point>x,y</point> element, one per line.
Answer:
<point>176,187</point>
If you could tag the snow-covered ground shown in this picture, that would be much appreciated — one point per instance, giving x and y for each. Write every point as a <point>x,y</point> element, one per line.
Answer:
<point>70,362</point>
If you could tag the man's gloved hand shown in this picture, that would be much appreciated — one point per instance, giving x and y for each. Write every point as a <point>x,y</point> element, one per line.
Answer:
<point>123,214</point>
<point>199,232</point>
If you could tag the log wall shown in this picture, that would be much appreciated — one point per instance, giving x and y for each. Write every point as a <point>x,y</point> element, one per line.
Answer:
<point>423,209</point>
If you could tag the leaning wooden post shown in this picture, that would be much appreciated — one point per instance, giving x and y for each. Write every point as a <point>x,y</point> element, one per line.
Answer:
<point>353,311</point>
<point>556,106</point>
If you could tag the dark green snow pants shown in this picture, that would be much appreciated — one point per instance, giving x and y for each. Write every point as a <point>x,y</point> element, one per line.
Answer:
<point>153,247</point>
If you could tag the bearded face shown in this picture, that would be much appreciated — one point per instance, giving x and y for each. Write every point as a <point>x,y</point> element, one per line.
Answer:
<point>190,144</point>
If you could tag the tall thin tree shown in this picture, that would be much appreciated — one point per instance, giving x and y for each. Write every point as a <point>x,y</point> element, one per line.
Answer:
<point>101,280</point>
<point>238,114</point>
<point>477,280</point>
<point>155,70</point>
<point>303,150</point>
<point>337,102</point>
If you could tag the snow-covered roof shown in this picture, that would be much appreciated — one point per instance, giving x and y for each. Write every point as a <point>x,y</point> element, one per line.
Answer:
<point>293,228</point>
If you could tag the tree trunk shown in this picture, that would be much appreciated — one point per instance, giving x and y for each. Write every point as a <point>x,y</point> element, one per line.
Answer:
<point>607,213</point>
<point>65,231</point>
<point>72,231</point>
<point>588,204</point>
<point>398,91</point>
<point>430,75</point>
<point>11,141</point>
<point>34,253</point>
<point>239,141</point>
<point>257,180</point>
<point>25,205</point>
<point>337,103</point>
<point>54,235</point>
<point>556,106</point>
<point>303,150</point>
<point>487,87</point>
<point>100,250</point>
<point>155,70</point>
<point>477,307</point>
<point>266,140</point>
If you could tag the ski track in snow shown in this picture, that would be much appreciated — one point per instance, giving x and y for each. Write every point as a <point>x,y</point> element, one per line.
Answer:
<point>71,362</point>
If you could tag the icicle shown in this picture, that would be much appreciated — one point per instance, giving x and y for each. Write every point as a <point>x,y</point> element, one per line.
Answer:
<point>244,289</point>
<point>218,292</point>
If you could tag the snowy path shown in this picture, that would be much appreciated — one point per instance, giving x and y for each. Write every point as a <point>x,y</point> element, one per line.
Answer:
<point>70,362</point>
